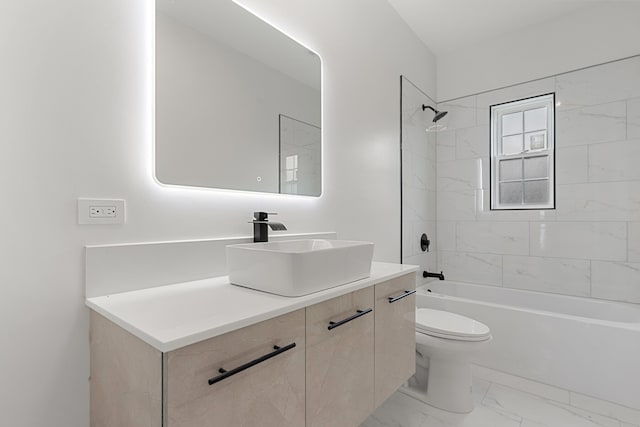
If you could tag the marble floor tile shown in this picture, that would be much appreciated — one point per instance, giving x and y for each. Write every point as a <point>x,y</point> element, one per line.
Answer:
<point>529,423</point>
<point>542,412</point>
<point>479,388</point>
<point>495,406</point>
<point>401,410</point>
<point>522,384</point>
<point>482,416</point>
<point>610,409</point>
<point>398,410</point>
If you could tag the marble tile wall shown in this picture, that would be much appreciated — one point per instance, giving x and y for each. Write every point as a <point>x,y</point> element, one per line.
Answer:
<point>590,244</point>
<point>418,178</point>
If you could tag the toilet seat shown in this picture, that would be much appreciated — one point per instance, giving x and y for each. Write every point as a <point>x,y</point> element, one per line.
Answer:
<point>443,324</point>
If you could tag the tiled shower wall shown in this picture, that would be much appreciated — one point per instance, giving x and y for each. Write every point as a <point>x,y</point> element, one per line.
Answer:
<point>590,244</point>
<point>418,178</point>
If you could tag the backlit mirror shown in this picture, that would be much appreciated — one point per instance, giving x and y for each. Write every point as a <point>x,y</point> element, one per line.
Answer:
<point>238,103</point>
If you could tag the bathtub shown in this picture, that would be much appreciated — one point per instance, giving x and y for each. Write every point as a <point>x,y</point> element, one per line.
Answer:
<point>579,344</point>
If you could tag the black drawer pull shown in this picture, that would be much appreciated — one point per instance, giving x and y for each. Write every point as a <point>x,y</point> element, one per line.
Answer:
<point>359,313</point>
<point>227,374</point>
<point>399,297</point>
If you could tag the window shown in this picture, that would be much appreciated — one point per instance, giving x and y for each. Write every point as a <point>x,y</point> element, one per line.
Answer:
<point>291,168</point>
<point>290,184</point>
<point>522,154</point>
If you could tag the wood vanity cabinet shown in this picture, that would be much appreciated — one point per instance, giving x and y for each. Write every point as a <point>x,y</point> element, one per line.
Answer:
<point>340,360</point>
<point>395,327</point>
<point>329,365</point>
<point>126,377</point>
<point>135,385</point>
<point>268,394</point>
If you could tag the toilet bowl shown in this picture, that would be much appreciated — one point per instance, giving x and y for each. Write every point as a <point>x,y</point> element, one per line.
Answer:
<point>444,345</point>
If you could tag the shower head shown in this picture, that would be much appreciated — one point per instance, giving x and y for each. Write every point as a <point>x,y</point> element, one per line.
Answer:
<point>439,114</point>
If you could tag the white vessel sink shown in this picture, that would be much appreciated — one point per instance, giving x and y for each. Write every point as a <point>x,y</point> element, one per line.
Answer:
<point>293,268</point>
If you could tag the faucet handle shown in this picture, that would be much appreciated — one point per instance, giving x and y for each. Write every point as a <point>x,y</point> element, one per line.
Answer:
<point>263,216</point>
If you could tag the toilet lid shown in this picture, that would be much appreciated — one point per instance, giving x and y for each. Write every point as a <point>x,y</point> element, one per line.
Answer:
<point>451,325</point>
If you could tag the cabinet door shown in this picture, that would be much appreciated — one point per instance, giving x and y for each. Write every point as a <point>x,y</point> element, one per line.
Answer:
<point>340,360</point>
<point>395,340</point>
<point>268,393</point>
<point>126,378</point>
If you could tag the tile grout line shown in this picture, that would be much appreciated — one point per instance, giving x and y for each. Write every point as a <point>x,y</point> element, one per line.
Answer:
<point>484,395</point>
<point>628,238</point>
<point>588,164</point>
<point>626,119</point>
<point>570,403</point>
<point>590,283</point>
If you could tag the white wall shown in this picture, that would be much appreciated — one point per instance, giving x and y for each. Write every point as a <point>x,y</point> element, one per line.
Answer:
<point>75,121</point>
<point>589,36</point>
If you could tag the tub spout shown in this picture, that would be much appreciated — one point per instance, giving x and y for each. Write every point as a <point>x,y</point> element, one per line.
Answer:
<point>426,274</point>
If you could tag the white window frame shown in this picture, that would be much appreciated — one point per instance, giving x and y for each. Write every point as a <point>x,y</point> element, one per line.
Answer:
<point>291,173</point>
<point>497,112</point>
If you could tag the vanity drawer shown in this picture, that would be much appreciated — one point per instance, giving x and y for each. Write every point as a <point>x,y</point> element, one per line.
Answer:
<point>395,326</point>
<point>340,360</point>
<point>269,392</point>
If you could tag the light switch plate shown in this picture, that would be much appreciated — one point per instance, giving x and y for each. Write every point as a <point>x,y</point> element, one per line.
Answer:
<point>101,211</point>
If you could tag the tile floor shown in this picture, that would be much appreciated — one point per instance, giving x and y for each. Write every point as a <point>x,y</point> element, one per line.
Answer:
<point>499,405</point>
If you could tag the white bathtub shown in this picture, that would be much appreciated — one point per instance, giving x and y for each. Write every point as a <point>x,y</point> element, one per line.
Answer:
<point>584,345</point>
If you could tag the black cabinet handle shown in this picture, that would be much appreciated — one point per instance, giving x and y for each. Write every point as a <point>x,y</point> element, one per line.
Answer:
<point>227,374</point>
<point>359,313</point>
<point>399,297</point>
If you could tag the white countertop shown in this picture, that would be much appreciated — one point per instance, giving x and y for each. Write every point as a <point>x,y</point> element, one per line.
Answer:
<point>173,316</point>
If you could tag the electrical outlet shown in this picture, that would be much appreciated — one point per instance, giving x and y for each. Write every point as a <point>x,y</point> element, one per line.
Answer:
<point>110,211</point>
<point>95,212</point>
<point>101,211</point>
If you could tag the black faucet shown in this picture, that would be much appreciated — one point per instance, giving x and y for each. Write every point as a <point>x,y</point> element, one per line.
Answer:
<point>260,226</point>
<point>427,274</point>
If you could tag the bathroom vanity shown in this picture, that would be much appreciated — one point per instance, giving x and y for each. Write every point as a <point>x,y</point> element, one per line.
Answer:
<point>208,353</point>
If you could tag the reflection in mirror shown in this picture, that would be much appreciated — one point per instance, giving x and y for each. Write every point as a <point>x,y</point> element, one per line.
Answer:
<point>238,103</point>
<point>300,157</point>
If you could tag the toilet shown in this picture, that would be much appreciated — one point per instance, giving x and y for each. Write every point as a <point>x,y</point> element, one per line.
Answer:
<point>444,344</point>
